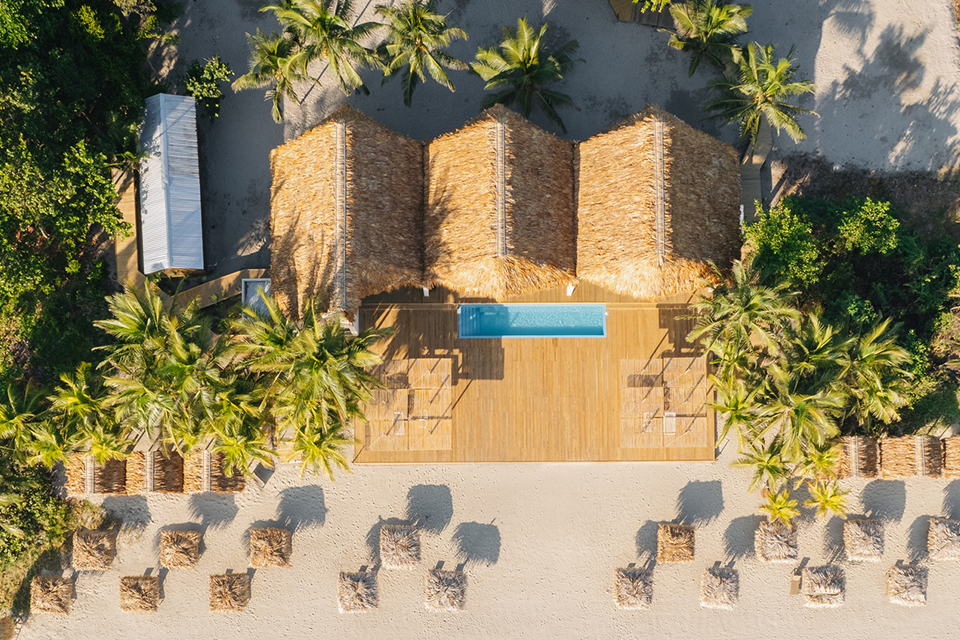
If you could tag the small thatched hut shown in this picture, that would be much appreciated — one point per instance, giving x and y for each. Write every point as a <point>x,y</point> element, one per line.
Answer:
<point>220,482</point>
<point>720,588</point>
<point>139,594</point>
<point>357,592</point>
<point>907,585</point>
<point>863,539</point>
<point>196,472</point>
<point>657,200</point>
<point>499,210</point>
<point>137,473</point>
<point>51,595</point>
<point>345,214</point>
<point>943,539</point>
<point>179,549</point>
<point>229,592</point>
<point>911,456</point>
<point>822,587</point>
<point>633,588</point>
<point>270,547</point>
<point>94,550</point>
<point>110,478</point>
<point>76,471</point>
<point>399,546</point>
<point>859,457</point>
<point>446,590</point>
<point>675,543</point>
<point>951,457</point>
<point>776,542</point>
<point>158,471</point>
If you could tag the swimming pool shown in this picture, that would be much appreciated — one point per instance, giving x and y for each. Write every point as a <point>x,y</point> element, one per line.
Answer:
<point>533,320</point>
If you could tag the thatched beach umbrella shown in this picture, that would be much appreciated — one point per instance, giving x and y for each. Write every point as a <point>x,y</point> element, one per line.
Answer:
<point>907,585</point>
<point>446,590</point>
<point>951,457</point>
<point>911,456</point>
<point>657,201</point>
<point>399,546</point>
<point>822,587</point>
<point>94,550</point>
<point>633,588</point>
<point>943,539</point>
<point>229,592</point>
<point>179,549</point>
<point>357,592</point>
<point>859,457</point>
<point>675,543</point>
<point>270,547</point>
<point>776,542</point>
<point>499,210</point>
<point>345,214</point>
<point>51,595</point>
<point>863,539</point>
<point>139,594</point>
<point>719,588</point>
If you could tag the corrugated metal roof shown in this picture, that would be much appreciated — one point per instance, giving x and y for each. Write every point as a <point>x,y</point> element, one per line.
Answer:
<point>171,229</point>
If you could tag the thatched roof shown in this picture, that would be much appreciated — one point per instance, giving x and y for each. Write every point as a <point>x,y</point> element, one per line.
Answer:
<point>270,547</point>
<point>863,539</point>
<point>76,471</point>
<point>94,550</point>
<point>8,628</point>
<point>911,456</point>
<point>633,588</point>
<point>951,457</point>
<point>399,546</point>
<point>220,482</point>
<point>719,588</point>
<point>179,549</point>
<point>943,539</point>
<point>110,478</point>
<point>167,472</point>
<point>907,585</point>
<point>51,595</point>
<point>776,542</point>
<point>499,210</point>
<point>194,473</point>
<point>136,472</point>
<point>675,543</point>
<point>345,213</point>
<point>229,592</point>
<point>446,590</point>
<point>822,586</point>
<point>657,200</point>
<point>357,592</point>
<point>859,457</point>
<point>139,594</point>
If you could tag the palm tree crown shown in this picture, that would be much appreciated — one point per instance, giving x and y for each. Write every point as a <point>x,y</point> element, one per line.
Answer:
<point>705,29</point>
<point>273,64</point>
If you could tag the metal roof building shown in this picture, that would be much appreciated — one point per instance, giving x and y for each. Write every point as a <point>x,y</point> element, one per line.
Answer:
<point>170,227</point>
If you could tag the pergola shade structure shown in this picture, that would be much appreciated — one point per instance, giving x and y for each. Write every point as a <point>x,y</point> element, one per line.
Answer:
<point>499,210</point>
<point>657,202</point>
<point>345,214</point>
<point>171,230</point>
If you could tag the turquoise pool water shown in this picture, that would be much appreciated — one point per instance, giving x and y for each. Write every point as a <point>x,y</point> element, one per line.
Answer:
<point>533,320</point>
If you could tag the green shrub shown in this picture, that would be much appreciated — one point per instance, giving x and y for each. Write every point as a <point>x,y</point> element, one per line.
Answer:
<point>203,83</point>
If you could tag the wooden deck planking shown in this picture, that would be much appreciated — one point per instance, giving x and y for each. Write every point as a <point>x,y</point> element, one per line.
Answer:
<point>535,399</point>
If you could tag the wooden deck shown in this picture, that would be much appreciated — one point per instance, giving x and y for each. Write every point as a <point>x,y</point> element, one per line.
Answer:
<point>637,394</point>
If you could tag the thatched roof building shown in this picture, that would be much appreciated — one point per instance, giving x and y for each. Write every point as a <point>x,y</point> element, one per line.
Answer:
<point>776,542</point>
<point>822,587</point>
<point>220,482</point>
<point>110,478</point>
<point>140,594</point>
<point>94,550</point>
<point>229,592</point>
<point>75,467</point>
<point>951,457</point>
<point>51,595</point>
<point>911,456</point>
<point>657,200</point>
<point>446,590</point>
<point>943,539</point>
<point>399,546</point>
<point>499,210</point>
<point>907,585</point>
<point>720,588</point>
<point>357,592</point>
<point>859,457</point>
<point>863,539</point>
<point>633,589</point>
<point>196,471</point>
<point>675,543</point>
<point>270,547</point>
<point>179,549</point>
<point>345,213</point>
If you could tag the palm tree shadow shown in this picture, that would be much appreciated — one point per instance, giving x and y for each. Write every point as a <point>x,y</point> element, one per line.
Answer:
<point>646,542</point>
<point>700,502</point>
<point>739,537</point>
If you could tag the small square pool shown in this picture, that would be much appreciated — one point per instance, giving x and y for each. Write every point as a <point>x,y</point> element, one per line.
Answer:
<point>533,320</point>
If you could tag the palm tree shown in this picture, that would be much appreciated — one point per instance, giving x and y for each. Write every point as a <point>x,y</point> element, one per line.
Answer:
<point>739,407</point>
<point>875,380</point>
<point>827,497</point>
<point>80,406</point>
<point>780,506</point>
<point>758,91</point>
<point>20,411</point>
<point>274,63</point>
<point>767,464</point>
<point>705,29</point>
<point>525,71</point>
<point>819,462</point>
<point>416,41</point>
<point>321,449</point>
<point>8,500</point>
<point>798,415</point>
<point>327,34</point>
<point>240,434</point>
